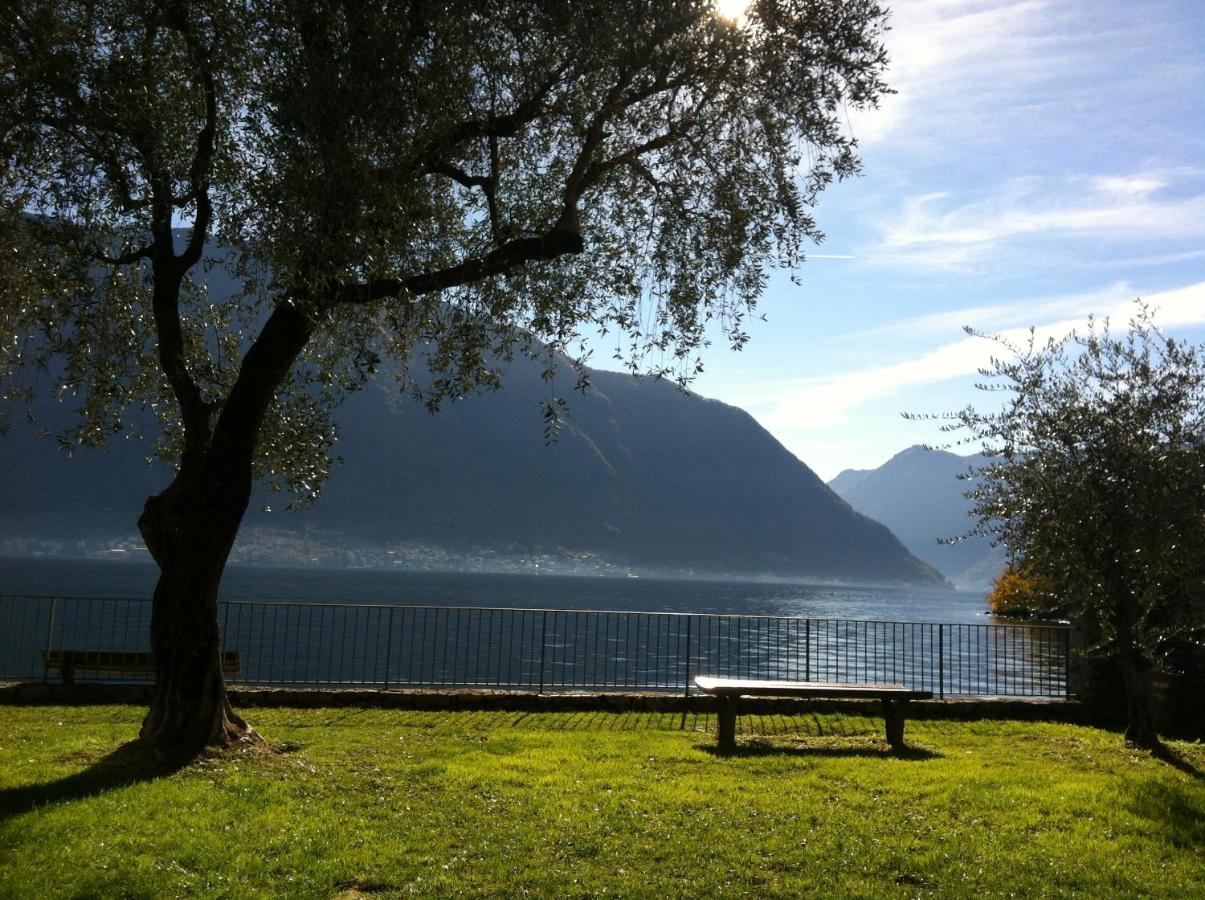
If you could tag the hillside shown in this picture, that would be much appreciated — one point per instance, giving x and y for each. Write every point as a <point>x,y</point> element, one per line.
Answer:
<point>919,495</point>
<point>644,476</point>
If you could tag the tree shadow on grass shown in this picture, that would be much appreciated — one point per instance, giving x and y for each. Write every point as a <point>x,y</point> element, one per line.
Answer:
<point>1178,815</point>
<point>1167,754</point>
<point>756,748</point>
<point>605,720</point>
<point>131,763</point>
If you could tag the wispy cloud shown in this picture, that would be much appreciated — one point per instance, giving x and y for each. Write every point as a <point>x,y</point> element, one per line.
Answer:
<point>1035,148</point>
<point>1020,313</point>
<point>1008,116</point>
<point>826,402</point>
<point>935,230</point>
<point>950,57</point>
<point>968,71</point>
<point>1153,259</point>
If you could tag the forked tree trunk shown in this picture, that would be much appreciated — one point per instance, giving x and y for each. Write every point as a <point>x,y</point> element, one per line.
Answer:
<point>189,529</point>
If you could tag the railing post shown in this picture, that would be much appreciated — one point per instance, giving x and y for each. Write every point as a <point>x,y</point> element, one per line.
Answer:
<point>222,636</point>
<point>1067,663</point>
<point>49,641</point>
<point>388,647</point>
<point>688,618</point>
<point>807,650</point>
<point>941,661</point>
<point>543,642</point>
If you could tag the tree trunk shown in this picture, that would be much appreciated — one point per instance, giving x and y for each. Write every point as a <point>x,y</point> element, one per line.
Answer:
<point>1140,720</point>
<point>1135,675</point>
<point>189,530</point>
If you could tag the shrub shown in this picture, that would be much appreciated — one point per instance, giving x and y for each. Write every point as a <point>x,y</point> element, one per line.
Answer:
<point>1020,592</point>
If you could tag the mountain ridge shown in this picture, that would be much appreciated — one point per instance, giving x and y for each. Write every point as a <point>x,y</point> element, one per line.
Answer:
<point>644,476</point>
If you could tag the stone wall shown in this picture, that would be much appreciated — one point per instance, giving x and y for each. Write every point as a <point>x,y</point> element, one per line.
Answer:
<point>524,701</point>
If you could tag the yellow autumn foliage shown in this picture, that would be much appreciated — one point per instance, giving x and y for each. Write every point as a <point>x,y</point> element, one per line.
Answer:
<point>1020,592</point>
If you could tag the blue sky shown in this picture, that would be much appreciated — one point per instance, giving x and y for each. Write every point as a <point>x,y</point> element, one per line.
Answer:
<point>1042,160</point>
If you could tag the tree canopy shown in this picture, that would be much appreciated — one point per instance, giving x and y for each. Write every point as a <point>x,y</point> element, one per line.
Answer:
<point>268,198</point>
<point>1097,487</point>
<point>440,183</point>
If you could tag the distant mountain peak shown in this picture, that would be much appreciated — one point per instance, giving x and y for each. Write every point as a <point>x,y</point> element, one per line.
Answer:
<point>920,496</point>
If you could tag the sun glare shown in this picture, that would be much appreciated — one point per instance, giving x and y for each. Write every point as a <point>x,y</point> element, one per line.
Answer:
<point>733,10</point>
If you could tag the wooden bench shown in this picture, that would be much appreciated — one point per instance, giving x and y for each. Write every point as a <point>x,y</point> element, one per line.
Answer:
<point>115,662</point>
<point>728,692</point>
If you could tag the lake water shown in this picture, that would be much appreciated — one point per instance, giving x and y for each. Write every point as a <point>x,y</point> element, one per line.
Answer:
<point>104,578</point>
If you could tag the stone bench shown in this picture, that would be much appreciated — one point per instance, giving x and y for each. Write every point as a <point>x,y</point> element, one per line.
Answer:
<point>728,692</point>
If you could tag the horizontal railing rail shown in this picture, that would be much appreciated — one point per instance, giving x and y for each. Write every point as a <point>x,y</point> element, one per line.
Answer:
<point>332,644</point>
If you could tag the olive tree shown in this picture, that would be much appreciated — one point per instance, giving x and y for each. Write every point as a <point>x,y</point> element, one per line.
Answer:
<point>439,184</point>
<point>1096,485</point>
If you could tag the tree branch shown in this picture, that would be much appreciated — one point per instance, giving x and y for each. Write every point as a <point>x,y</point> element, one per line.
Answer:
<point>487,183</point>
<point>264,367</point>
<point>125,259</point>
<point>575,184</point>
<point>598,170</point>
<point>165,305</point>
<point>585,171</point>
<point>491,196</point>
<point>460,176</point>
<point>558,241</point>
<point>508,125</point>
<point>202,162</point>
<point>564,237</point>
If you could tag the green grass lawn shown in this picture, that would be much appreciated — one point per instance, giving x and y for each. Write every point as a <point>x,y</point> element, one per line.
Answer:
<point>377,802</point>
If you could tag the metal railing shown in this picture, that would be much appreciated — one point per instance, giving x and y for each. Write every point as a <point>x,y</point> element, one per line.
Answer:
<point>328,645</point>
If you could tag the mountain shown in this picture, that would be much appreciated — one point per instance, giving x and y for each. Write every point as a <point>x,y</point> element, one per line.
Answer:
<point>846,480</point>
<point>644,476</point>
<point>919,495</point>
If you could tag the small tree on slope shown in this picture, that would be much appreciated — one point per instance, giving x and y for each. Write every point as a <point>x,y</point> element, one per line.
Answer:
<point>1097,487</point>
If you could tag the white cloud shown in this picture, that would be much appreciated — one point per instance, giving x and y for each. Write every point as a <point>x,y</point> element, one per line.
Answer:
<point>1013,314</point>
<point>947,56</point>
<point>966,71</point>
<point>1131,186</point>
<point>1033,145</point>
<point>1152,259</point>
<point>1181,308</point>
<point>931,232</point>
<point>1017,106</point>
<point>827,402</point>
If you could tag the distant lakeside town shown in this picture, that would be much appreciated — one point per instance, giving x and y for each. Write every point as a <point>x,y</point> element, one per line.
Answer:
<point>263,547</point>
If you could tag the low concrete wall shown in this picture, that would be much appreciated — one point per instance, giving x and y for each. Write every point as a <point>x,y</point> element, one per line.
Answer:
<point>34,694</point>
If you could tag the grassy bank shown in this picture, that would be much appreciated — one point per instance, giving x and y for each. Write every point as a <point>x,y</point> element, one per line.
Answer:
<point>385,802</point>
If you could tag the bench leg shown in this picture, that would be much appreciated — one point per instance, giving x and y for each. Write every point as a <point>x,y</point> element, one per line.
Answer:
<point>67,670</point>
<point>894,714</point>
<point>726,722</point>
